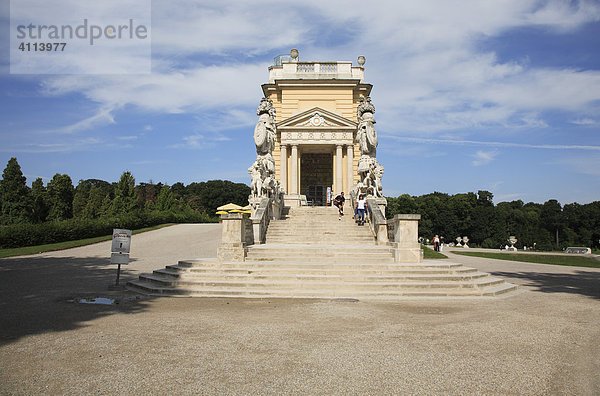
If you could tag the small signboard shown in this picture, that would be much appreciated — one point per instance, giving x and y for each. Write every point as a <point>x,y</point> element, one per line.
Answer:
<point>121,241</point>
<point>119,258</point>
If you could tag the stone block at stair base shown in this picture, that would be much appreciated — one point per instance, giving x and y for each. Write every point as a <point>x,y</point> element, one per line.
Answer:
<point>231,252</point>
<point>232,238</point>
<point>406,229</point>
<point>404,254</point>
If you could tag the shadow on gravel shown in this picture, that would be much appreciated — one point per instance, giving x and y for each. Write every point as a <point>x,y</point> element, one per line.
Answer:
<point>34,294</point>
<point>586,283</point>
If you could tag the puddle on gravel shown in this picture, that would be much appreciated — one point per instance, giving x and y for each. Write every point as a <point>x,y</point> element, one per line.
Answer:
<point>107,300</point>
<point>98,300</point>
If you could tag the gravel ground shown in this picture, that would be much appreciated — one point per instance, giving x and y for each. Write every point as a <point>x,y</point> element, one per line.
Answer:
<point>541,340</point>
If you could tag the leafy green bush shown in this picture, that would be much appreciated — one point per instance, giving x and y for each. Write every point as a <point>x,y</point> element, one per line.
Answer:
<point>26,234</point>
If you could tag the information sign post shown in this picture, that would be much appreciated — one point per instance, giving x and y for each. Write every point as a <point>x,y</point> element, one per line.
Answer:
<point>119,251</point>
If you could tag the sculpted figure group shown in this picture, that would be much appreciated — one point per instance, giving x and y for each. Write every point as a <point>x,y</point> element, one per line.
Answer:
<point>369,170</point>
<point>262,171</point>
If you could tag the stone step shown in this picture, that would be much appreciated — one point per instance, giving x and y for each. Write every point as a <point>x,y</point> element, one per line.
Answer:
<point>319,284</point>
<point>316,277</point>
<point>338,225</point>
<point>329,241</point>
<point>340,266</point>
<point>307,269</point>
<point>244,292</point>
<point>325,233</point>
<point>358,259</point>
<point>338,256</point>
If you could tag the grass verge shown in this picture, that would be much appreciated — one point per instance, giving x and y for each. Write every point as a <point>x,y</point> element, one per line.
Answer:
<point>68,244</point>
<point>573,261</point>
<point>432,254</point>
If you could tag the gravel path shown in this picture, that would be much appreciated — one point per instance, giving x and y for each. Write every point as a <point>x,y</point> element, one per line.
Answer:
<point>542,340</point>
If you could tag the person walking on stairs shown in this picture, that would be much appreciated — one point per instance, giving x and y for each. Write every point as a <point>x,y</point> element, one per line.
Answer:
<point>360,209</point>
<point>339,202</point>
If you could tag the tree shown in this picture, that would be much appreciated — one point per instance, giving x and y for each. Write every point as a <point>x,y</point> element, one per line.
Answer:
<point>41,207</point>
<point>552,218</point>
<point>82,195</point>
<point>178,190</point>
<point>125,197</point>
<point>80,199</point>
<point>17,203</point>
<point>166,199</point>
<point>93,207</point>
<point>215,193</point>
<point>60,194</point>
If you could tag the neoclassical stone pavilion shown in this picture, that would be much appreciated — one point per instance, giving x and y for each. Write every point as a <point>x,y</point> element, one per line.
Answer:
<point>315,133</point>
<point>316,114</point>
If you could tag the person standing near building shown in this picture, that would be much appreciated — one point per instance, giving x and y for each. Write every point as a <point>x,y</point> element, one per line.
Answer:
<point>360,209</point>
<point>436,243</point>
<point>339,202</point>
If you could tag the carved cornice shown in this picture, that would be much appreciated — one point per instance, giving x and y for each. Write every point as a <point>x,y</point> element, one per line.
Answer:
<point>317,137</point>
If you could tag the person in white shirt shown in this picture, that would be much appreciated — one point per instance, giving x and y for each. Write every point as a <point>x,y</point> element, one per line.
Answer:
<point>360,208</point>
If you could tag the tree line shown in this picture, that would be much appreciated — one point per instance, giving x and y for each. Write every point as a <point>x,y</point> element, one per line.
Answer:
<point>550,226</point>
<point>99,205</point>
<point>94,206</point>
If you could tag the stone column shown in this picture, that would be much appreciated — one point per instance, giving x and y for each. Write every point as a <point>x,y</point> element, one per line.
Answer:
<point>339,171</point>
<point>350,157</point>
<point>283,168</point>
<point>294,173</point>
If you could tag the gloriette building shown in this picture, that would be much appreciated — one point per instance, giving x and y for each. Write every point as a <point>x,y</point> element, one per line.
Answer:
<point>315,132</point>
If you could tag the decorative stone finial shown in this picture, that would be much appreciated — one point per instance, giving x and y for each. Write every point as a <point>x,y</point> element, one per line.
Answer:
<point>365,106</point>
<point>361,60</point>
<point>294,55</point>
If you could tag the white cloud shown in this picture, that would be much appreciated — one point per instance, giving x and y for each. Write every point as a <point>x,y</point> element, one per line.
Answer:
<point>462,142</point>
<point>102,117</point>
<point>63,146</point>
<point>423,59</point>
<point>584,121</point>
<point>483,157</point>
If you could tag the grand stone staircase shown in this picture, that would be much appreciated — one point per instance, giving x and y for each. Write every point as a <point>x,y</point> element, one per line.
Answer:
<point>311,254</point>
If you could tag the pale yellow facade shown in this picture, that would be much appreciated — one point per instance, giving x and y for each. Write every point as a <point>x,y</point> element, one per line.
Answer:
<point>316,105</point>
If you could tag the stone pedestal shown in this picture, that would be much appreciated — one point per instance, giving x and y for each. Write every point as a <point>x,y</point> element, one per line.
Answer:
<point>382,203</point>
<point>232,238</point>
<point>406,235</point>
<point>294,200</point>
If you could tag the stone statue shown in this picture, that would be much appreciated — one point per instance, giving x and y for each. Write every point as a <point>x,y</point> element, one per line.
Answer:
<point>366,136</point>
<point>262,171</point>
<point>265,129</point>
<point>369,170</point>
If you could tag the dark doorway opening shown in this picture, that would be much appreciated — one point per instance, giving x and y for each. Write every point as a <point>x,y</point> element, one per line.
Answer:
<point>316,174</point>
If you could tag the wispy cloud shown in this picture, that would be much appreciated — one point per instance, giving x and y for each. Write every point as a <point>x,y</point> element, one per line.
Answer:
<point>200,141</point>
<point>483,157</point>
<point>102,117</point>
<point>584,121</point>
<point>68,145</point>
<point>494,144</point>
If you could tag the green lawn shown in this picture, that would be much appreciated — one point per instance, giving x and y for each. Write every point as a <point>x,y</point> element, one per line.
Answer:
<point>576,261</point>
<point>67,245</point>
<point>432,254</point>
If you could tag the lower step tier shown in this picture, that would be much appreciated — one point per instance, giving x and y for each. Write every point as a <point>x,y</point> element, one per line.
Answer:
<point>319,280</point>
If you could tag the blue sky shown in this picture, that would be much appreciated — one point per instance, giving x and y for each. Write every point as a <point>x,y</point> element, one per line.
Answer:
<point>495,95</point>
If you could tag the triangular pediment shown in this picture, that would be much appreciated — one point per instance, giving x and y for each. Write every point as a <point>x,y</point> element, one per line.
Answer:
<point>317,118</point>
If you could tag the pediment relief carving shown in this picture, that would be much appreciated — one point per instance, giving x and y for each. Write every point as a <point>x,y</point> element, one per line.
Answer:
<point>317,118</point>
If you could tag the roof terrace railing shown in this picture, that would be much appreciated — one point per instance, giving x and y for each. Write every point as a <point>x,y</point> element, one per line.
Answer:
<point>310,67</point>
